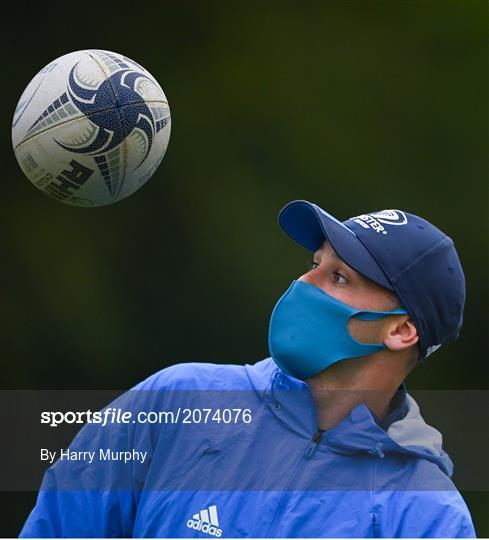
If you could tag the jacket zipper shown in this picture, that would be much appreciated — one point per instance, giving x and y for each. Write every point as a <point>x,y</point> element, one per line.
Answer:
<point>374,525</point>
<point>310,449</point>
<point>313,443</point>
<point>375,521</point>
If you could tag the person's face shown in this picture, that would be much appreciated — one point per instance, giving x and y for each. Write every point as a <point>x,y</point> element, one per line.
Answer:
<point>330,274</point>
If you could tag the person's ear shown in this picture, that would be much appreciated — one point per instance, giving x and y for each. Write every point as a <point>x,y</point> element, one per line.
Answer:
<point>401,334</point>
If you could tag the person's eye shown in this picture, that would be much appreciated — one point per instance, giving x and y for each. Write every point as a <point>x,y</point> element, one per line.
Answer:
<point>314,264</point>
<point>340,279</point>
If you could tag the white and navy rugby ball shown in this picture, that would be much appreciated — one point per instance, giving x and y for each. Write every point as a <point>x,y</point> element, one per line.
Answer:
<point>91,128</point>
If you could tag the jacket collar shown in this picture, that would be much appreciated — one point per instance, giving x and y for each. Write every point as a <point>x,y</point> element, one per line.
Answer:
<point>401,432</point>
<point>292,401</point>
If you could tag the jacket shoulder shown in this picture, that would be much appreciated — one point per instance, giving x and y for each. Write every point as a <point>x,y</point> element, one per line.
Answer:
<point>198,376</point>
<point>430,513</point>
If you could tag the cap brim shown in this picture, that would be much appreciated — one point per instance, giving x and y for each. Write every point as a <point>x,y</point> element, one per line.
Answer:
<point>309,225</point>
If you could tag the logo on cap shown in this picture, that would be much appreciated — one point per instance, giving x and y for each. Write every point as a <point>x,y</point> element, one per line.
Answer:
<point>376,219</point>
<point>391,217</point>
<point>432,349</point>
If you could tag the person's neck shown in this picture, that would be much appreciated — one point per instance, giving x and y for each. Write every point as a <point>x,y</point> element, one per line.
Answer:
<point>371,380</point>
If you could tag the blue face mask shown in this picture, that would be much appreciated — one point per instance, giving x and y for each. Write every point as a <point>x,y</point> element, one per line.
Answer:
<point>309,331</point>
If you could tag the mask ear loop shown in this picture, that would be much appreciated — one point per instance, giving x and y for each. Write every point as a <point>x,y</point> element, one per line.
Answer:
<point>375,316</point>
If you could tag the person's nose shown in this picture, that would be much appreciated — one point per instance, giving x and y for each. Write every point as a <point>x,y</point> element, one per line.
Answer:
<point>313,277</point>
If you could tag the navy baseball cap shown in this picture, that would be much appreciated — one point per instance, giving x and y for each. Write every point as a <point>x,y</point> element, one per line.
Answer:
<point>399,251</point>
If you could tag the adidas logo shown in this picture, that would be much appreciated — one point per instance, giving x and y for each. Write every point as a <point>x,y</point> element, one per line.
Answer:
<point>206,521</point>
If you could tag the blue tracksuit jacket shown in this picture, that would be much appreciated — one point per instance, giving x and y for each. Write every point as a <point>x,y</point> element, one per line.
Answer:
<point>275,475</point>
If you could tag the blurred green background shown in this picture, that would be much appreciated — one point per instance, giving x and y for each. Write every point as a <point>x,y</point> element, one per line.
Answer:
<point>355,105</point>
